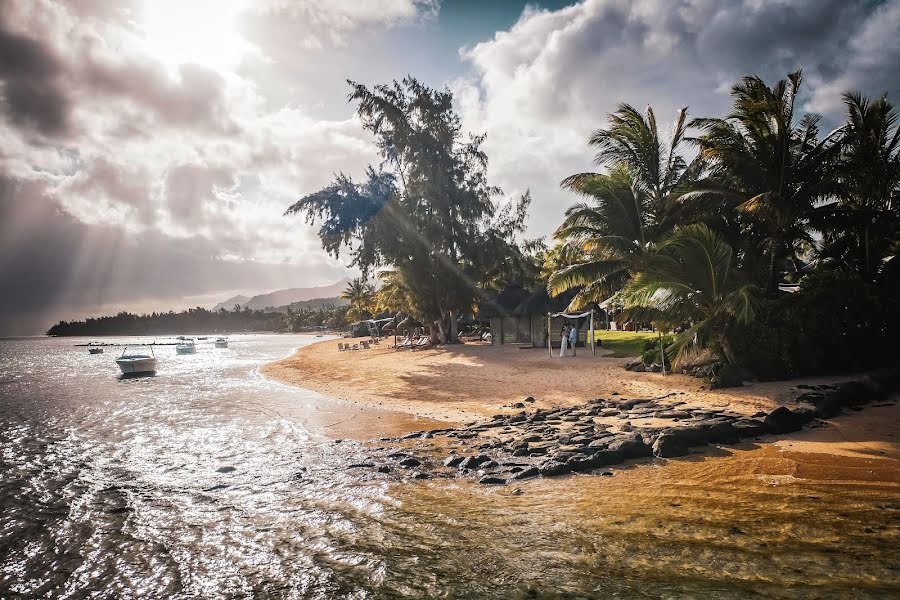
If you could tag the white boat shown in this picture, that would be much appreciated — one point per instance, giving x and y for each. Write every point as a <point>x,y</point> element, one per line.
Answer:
<point>95,350</point>
<point>132,364</point>
<point>185,347</point>
<point>221,342</point>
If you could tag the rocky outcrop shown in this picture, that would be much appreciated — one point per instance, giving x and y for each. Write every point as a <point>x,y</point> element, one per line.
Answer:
<point>550,442</point>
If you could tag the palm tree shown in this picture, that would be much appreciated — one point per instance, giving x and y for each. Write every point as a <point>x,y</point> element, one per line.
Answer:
<point>690,278</point>
<point>768,166</point>
<point>361,295</point>
<point>860,228</point>
<point>627,209</point>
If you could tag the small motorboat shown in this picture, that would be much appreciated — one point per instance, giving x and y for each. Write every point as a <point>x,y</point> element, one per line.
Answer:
<point>203,337</point>
<point>132,364</point>
<point>221,342</point>
<point>186,346</point>
<point>95,350</point>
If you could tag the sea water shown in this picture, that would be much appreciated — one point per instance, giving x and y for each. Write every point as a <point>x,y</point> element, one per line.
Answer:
<point>209,481</point>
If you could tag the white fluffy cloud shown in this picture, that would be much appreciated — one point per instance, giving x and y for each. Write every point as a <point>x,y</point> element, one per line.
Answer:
<point>539,89</point>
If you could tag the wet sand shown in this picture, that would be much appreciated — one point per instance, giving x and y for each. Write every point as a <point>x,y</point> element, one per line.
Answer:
<point>810,514</point>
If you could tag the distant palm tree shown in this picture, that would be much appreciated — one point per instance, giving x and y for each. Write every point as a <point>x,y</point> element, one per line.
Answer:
<point>361,295</point>
<point>627,209</point>
<point>689,278</point>
<point>768,166</point>
<point>861,228</point>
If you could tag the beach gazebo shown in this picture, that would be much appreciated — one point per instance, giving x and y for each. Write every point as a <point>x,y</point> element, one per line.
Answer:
<point>506,326</point>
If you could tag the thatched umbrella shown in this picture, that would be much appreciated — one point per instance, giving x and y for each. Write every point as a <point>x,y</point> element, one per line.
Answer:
<point>408,323</point>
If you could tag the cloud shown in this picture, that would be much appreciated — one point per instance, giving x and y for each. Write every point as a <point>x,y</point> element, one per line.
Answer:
<point>540,88</point>
<point>31,96</point>
<point>73,269</point>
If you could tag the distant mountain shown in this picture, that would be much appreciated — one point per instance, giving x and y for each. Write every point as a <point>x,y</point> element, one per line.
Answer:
<point>229,304</point>
<point>315,304</point>
<point>327,294</point>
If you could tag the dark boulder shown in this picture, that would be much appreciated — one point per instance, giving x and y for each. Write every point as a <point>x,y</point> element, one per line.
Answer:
<point>783,420</point>
<point>453,461</point>
<point>527,473</point>
<point>410,462</point>
<point>473,462</point>
<point>552,467</point>
<point>492,480</point>
<point>421,475</point>
<point>750,427</point>
<point>631,447</point>
<point>668,446</point>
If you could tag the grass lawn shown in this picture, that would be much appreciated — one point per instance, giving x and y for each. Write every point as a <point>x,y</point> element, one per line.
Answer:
<point>624,343</point>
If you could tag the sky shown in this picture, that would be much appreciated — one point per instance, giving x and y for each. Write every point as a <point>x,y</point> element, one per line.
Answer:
<point>149,148</point>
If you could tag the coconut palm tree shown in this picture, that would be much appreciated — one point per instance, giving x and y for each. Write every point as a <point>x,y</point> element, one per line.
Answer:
<point>861,227</point>
<point>361,295</point>
<point>627,209</point>
<point>690,278</point>
<point>768,166</point>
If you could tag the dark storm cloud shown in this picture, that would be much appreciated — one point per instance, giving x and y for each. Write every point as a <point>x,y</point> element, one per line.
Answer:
<point>31,94</point>
<point>70,268</point>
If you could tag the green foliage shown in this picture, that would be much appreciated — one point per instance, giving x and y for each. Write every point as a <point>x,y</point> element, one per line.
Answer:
<point>689,279</point>
<point>192,320</point>
<point>427,213</point>
<point>650,351</point>
<point>837,322</point>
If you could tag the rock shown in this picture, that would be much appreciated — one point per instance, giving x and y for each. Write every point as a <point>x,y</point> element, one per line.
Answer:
<point>529,399</point>
<point>492,480</point>
<point>608,457</point>
<point>410,462</point>
<point>631,447</point>
<point>520,451</point>
<point>453,461</point>
<point>412,435</point>
<point>420,475</point>
<point>473,462</point>
<point>667,446</point>
<point>384,469</point>
<point>826,404</point>
<point>361,465</point>
<point>527,473</point>
<point>518,405</point>
<point>750,427</point>
<point>783,420</point>
<point>552,468</point>
<point>607,473</point>
<point>490,464</point>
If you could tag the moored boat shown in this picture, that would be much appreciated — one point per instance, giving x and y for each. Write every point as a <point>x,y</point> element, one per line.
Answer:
<point>132,364</point>
<point>185,347</point>
<point>221,342</point>
<point>95,350</point>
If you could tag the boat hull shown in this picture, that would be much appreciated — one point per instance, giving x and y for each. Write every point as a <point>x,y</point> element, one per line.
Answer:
<point>95,350</point>
<point>221,344</point>
<point>131,366</point>
<point>185,350</point>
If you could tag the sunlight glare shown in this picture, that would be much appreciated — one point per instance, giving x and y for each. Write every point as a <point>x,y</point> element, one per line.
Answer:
<point>194,31</point>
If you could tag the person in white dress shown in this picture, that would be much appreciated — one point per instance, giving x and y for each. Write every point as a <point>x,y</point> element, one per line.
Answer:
<point>564,339</point>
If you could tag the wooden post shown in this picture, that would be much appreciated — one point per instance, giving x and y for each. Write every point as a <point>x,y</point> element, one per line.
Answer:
<point>662,354</point>
<point>593,348</point>
<point>549,337</point>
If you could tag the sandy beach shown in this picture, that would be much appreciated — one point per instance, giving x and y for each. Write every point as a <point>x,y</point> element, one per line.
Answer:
<point>467,382</point>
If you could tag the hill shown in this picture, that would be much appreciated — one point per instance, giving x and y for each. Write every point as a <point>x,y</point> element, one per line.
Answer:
<point>229,304</point>
<point>327,294</point>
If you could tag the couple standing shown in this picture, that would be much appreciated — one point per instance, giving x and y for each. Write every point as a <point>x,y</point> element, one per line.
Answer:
<point>568,337</point>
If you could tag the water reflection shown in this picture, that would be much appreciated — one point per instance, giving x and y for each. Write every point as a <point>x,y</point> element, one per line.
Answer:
<point>209,481</point>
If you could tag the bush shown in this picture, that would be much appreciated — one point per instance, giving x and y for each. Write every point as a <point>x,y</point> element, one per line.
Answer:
<point>650,350</point>
<point>835,323</point>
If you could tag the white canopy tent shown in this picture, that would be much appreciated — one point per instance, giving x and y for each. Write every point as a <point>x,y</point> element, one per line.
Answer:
<point>565,315</point>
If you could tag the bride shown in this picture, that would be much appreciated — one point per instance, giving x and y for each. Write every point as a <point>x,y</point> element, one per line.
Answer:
<point>564,339</point>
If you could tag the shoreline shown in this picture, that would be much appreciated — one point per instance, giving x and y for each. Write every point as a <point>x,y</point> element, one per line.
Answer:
<point>446,388</point>
<point>470,382</point>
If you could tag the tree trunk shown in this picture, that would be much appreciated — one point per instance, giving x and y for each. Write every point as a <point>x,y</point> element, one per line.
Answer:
<point>773,262</point>
<point>727,349</point>
<point>438,330</point>
<point>454,328</point>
